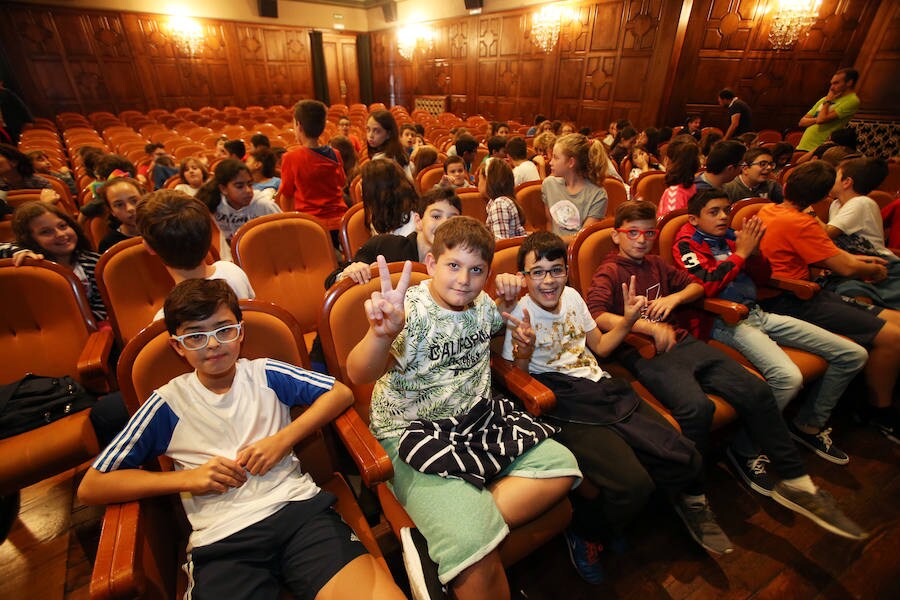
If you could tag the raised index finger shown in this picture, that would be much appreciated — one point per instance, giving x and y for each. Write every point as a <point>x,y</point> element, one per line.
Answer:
<point>384,273</point>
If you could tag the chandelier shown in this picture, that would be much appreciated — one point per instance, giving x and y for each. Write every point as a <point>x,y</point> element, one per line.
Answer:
<point>791,21</point>
<point>186,34</point>
<point>545,25</point>
<point>412,37</point>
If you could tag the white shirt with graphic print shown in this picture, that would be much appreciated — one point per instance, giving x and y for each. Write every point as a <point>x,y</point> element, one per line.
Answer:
<point>442,363</point>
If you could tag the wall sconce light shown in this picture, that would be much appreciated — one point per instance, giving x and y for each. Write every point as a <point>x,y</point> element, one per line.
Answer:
<point>546,23</point>
<point>792,20</point>
<point>186,34</point>
<point>413,37</point>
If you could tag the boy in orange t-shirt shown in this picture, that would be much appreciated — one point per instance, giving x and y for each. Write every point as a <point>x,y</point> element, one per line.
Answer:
<point>795,240</point>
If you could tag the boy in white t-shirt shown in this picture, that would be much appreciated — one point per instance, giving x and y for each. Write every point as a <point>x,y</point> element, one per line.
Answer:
<point>623,446</point>
<point>177,228</point>
<point>258,522</point>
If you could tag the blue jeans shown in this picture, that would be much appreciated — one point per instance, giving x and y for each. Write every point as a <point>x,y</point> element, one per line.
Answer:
<point>758,337</point>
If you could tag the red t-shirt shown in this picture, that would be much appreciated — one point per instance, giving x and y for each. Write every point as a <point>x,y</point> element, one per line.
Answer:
<point>315,182</point>
<point>793,241</point>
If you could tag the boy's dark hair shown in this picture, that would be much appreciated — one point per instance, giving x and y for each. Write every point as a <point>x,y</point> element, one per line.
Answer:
<point>726,94</point>
<point>782,149</point>
<point>152,146</point>
<point>176,226</point>
<point>866,173</point>
<point>752,154</point>
<point>635,210</point>
<point>260,139</point>
<point>91,158</point>
<point>690,117</point>
<point>684,161</point>
<point>495,126</point>
<point>466,143</point>
<point>453,159</point>
<point>408,127</point>
<point>517,148</point>
<point>585,131</point>
<point>311,115</point>
<point>420,129</point>
<point>24,165</point>
<point>496,144</point>
<point>708,140</point>
<point>26,212</point>
<point>701,199</point>
<point>435,195</point>
<point>723,155</point>
<point>545,245</point>
<point>849,74</point>
<point>114,162</point>
<point>469,233</point>
<point>747,139</point>
<point>623,123</point>
<point>845,136</point>
<point>665,133</point>
<point>266,158</point>
<point>809,183</point>
<point>538,119</point>
<point>236,147</point>
<point>198,299</point>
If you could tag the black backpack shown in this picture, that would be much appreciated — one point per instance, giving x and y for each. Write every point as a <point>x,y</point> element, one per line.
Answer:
<point>34,401</point>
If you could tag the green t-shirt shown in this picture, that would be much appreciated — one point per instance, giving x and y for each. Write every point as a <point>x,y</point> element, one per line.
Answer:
<point>442,363</point>
<point>816,135</point>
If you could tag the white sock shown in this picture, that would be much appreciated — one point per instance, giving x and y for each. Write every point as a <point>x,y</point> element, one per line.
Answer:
<point>694,500</point>
<point>802,483</point>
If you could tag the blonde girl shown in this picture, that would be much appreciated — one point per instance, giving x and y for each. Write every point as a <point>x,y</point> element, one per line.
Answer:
<point>573,195</point>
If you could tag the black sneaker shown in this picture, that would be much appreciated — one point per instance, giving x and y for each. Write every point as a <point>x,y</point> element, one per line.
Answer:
<point>9,510</point>
<point>585,557</point>
<point>753,471</point>
<point>887,422</point>
<point>820,443</point>
<point>420,569</point>
<point>820,507</point>
<point>701,523</point>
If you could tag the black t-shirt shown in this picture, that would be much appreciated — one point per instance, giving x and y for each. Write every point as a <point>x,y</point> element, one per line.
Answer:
<point>742,108</point>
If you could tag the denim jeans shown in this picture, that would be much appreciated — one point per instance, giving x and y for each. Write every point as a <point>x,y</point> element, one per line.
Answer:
<point>758,337</point>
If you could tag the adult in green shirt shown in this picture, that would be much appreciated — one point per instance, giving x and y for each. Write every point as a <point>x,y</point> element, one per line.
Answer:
<point>831,112</point>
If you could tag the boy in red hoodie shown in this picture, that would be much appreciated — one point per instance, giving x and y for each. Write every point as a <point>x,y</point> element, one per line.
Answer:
<point>313,176</point>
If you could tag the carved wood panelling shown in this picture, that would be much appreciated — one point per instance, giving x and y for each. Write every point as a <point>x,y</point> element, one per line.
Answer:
<point>89,60</point>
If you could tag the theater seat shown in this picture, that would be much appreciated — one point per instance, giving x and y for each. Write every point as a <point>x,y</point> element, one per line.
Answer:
<point>47,328</point>
<point>142,543</point>
<point>354,232</point>
<point>287,257</point>
<point>342,325</point>
<point>530,198</point>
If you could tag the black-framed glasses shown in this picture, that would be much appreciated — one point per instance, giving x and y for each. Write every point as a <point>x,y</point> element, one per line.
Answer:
<point>761,163</point>
<point>555,272</point>
<point>198,340</point>
<point>633,234</point>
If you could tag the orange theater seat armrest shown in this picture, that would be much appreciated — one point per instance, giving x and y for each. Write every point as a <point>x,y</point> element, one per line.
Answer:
<point>93,363</point>
<point>644,344</point>
<point>800,288</point>
<point>371,459</point>
<point>731,312</point>
<point>536,397</point>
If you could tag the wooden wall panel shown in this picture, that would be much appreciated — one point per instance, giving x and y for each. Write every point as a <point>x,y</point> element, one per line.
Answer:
<point>92,60</point>
<point>726,45</point>
<point>879,65</point>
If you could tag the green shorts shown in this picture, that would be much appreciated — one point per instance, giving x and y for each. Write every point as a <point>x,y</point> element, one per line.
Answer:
<point>461,523</point>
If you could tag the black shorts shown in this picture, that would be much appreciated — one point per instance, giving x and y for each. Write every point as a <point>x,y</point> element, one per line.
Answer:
<point>836,313</point>
<point>300,547</point>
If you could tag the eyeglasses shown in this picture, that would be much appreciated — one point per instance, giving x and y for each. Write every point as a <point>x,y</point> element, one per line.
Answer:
<point>198,340</point>
<point>539,274</point>
<point>633,234</point>
<point>760,163</point>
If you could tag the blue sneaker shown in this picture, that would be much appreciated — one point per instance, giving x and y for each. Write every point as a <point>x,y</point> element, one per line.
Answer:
<point>585,556</point>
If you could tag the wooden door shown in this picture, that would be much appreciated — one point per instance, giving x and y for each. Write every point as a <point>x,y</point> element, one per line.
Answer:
<point>341,68</point>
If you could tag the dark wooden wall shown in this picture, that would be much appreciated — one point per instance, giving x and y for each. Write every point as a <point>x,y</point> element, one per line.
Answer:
<point>92,60</point>
<point>652,61</point>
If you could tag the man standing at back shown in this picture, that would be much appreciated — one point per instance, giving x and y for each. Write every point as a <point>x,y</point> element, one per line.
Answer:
<point>831,112</point>
<point>739,114</point>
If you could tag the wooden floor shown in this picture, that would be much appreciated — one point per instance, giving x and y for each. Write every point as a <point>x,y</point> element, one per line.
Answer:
<point>50,550</point>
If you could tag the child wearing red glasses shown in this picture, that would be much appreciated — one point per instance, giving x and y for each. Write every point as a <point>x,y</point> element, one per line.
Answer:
<point>685,369</point>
